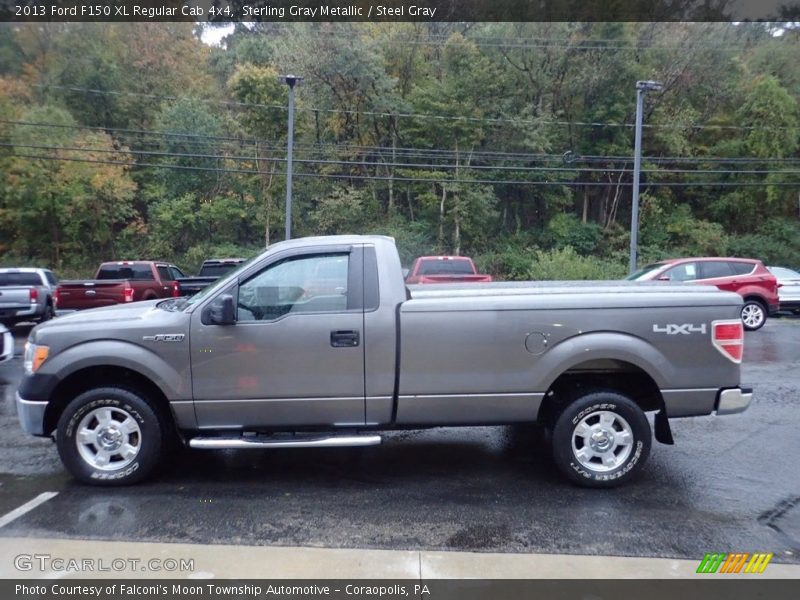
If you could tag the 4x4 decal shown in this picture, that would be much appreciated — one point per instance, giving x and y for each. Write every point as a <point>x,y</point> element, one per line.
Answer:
<point>675,329</point>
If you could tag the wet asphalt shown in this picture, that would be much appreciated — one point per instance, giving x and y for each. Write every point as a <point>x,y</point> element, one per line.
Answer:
<point>730,484</point>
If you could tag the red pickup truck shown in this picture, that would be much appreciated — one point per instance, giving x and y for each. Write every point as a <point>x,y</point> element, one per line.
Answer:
<point>444,269</point>
<point>119,282</point>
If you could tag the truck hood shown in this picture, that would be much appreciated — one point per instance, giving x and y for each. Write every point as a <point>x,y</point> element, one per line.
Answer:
<point>100,322</point>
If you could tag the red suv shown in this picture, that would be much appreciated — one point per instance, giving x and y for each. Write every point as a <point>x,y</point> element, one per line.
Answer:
<point>746,276</point>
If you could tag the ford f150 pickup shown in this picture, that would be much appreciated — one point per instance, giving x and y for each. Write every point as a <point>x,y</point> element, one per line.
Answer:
<point>444,269</point>
<point>26,294</point>
<point>318,342</point>
<point>118,283</point>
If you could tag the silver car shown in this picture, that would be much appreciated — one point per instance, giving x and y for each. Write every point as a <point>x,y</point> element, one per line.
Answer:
<point>6,345</point>
<point>789,290</point>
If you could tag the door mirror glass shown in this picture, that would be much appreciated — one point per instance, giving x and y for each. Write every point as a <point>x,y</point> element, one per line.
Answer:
<point>221,311</point>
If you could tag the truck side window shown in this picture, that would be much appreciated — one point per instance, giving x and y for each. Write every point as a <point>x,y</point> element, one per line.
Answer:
<point>164,274</point>
<point>315,283</point>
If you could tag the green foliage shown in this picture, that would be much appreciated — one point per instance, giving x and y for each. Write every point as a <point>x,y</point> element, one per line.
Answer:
<point>670,229</point>
<point>442,135</point>
<point>776,242</point>
<point>558,264</point>
<point>567,230</point>
<point>343,211</point>
<point>565,264</point>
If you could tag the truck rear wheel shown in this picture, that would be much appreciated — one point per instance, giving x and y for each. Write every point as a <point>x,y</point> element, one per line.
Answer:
<point>110,436</point>
<point>602,439</point>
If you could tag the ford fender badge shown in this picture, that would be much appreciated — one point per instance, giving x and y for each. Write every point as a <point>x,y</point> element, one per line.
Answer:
<point>164,337</point>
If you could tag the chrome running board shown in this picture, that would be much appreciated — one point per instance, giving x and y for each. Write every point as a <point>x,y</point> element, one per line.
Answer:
<point>234,443</point>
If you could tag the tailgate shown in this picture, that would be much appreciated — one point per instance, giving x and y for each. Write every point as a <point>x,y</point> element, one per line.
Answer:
<point>15,297</point>
<point>455,278</point>
<point>192,285</point>
<point>77,295</point>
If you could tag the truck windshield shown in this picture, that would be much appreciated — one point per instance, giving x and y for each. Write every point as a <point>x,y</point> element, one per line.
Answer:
<point>216,269</point>
<point>446,267</point>
<point>123,271</point>
<point>22,279</point>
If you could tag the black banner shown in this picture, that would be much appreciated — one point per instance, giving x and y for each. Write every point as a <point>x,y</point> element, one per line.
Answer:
<point>702,588</point>
<point>398,10</point>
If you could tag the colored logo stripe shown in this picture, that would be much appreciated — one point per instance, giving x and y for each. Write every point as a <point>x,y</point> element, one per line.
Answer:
<point>714,562</point>
<point>711,563</point>
<point>758,563</point>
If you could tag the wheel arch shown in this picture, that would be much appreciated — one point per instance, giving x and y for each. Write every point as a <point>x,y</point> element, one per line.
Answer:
<point>103,375</point>
<point>607,361</point>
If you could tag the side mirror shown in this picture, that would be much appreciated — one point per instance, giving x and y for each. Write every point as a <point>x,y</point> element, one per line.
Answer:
<point>664,278</point>
<point>221,311</point>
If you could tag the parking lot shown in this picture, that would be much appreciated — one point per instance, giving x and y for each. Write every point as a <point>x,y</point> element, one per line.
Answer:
<point>729,484</point>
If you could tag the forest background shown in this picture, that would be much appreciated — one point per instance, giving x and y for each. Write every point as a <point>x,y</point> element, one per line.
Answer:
<point>512,143</point>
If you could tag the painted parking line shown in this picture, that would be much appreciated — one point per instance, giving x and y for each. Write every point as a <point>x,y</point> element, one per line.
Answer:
<point>26,508</point>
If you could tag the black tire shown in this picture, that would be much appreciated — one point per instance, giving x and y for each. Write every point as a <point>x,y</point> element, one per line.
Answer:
<point>122,404</point>
<point>631,457</point>
<point>48,313</point>
<point>753,314</point>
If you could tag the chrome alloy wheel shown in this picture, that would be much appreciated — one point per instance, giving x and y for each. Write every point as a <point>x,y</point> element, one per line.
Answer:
<point>108,438</point>
<point>753,315</point>
<point>602,441</point>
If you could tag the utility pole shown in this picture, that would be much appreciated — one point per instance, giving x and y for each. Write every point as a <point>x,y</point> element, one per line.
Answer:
<point>291,81</point>
<point>641,88</point>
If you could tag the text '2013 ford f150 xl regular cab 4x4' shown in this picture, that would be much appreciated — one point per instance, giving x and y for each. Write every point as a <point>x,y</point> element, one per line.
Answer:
<point>318,342</point>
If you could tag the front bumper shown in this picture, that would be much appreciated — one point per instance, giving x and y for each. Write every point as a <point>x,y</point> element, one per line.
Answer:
<point>31,415</point>
<point>734,400</point>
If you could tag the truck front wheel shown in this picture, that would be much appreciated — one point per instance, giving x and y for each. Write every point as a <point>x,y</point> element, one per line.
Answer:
<point>110,436</point>
<point>602,439</point>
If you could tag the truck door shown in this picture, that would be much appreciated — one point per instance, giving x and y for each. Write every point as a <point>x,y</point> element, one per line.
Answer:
<point>295,355</point>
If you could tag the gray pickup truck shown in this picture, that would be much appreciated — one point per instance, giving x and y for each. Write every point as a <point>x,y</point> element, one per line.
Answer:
<point>318,342</point>
<point>26,294</point>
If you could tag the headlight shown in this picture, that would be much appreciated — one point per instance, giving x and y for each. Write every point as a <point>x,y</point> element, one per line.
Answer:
<point>34,357</point>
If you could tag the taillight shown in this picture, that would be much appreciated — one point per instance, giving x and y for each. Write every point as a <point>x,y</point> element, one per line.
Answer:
<point>176,290</point>
<point>128,292</point>
<point>56,297</point>
<point>34,295</point>
<point>728,338</point>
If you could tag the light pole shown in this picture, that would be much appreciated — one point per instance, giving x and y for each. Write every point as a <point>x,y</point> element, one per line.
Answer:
<point>291,81</point>
<point>641,88</point>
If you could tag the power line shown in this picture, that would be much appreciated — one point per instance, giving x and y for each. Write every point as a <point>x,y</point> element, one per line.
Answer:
<point>405,115</point>
<point>412,179</point>
<point>406,151</point>
<point>429,166</point>
<point>534,42</point>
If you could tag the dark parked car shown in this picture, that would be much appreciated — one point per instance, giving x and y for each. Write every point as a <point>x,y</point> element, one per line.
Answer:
<point>26,294</point>
<point>210,271</point>
<point>789,290</point>
<point>747,277</point>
